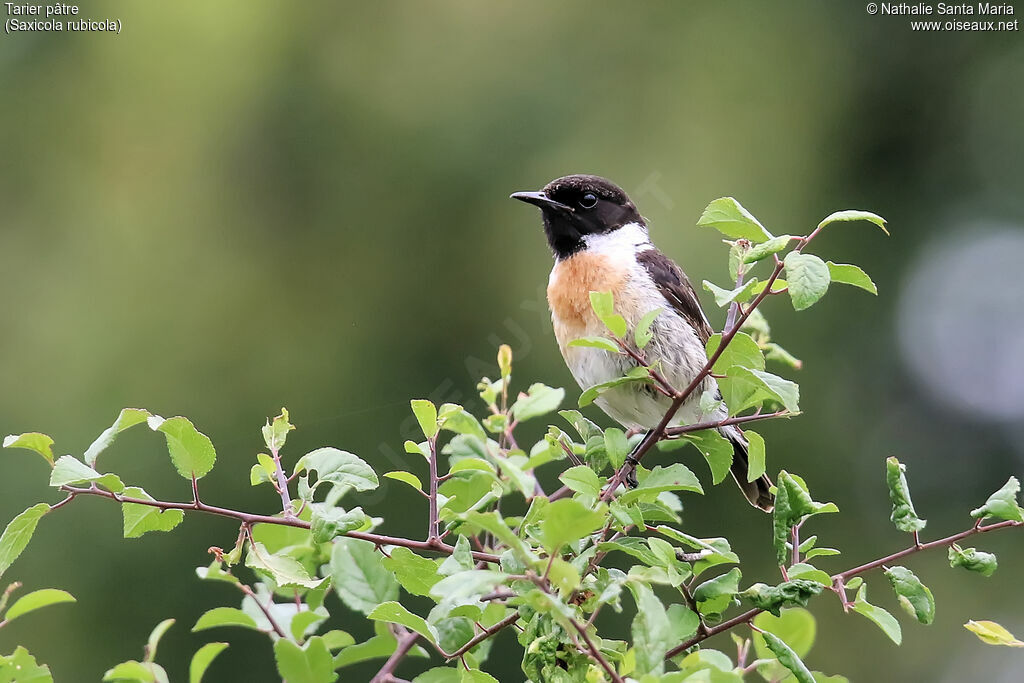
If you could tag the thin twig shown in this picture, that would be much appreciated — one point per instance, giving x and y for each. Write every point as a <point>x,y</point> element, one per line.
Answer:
<point>282,483</point>
<point>437,546</point>
<point>482,636</point>
<point>263,608</point>
<point>839,580</point>
<point>658,432</point>
<point>406,640</point>
<point>432,522</point>
<point>714,424</point>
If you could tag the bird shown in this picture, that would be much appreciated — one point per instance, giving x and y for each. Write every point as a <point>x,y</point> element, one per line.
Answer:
<point>600,243</point>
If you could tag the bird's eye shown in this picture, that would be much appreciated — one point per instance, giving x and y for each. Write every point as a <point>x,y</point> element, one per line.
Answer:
<point>588,201</point>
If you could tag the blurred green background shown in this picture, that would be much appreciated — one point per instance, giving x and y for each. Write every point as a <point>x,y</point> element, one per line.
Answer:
<point>235,206</point>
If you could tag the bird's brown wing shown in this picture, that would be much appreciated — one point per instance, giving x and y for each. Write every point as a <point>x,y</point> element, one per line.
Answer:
<point>677,290</point>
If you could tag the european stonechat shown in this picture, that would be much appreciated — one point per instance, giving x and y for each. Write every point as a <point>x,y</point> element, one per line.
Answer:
<point>600,244</point>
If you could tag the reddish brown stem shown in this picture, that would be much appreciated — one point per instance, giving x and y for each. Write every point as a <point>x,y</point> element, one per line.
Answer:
<point>387,672</point>
<point>841,578</point>
<point>437,545</point>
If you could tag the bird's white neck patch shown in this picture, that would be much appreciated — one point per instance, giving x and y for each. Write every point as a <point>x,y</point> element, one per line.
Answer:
<point>629,238</point>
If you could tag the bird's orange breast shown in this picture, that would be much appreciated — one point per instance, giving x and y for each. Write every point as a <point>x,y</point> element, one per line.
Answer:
<point>572,281</point>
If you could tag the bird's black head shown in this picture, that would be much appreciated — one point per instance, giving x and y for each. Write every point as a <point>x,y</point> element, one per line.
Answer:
<point>575,206</point>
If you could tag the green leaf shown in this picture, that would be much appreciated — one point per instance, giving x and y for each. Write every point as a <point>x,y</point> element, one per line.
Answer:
<point>643,334</point>
<point>264,471</point>
<point>851,275</point>
<point>743,388</point>
<point>772,599</point>
<point>311,663</point>
<point>716,595</point>
<point>276,433</point>
<point>328,522</point>
<point>439,674</point>
<point>854,215</point>
<point>903,514</point>
<point>881,617</point>
<point>21,667</point>
<point>603,304</point>
<point>716,450</point>
<point>755,455</point>
<point>155,636</point>
<point>988,632</point>
<point>651,631</point>
<point>565,521</point>
<point>33,441</point>
<point>224,616</point>
<point>406,478</point>
<point>716,550</point>
<point>633,546</point>
<point>307,621</point>
<point>18,533</point>
<point>146,672</point>
<point>426,416</point>
<point>1002,504</point>
<point>477,676</point>
<point>129,417</point>
<point>339,469</point>
<point>616,446</point>
<point>139,518</point>
<point>636,374</point>
<point>774,352</point>
<point>581,479</point>
<point>461,559</point>
<point>742,351</point>
<point>808,279</point>
<point>972,559</point>
<point>792,504</point>
<point>787,657</point>
<point>602,343</point>
<point>732,220</point>
<point>675,477</point>
<point>724,585</point>
<point>796,627</point>
<point>69,470</point>
<point>539,400</point>
<point>584,427</point>
<point>416,574</point>
<point>914,596</point>
<point>457,419</point>
<point>766,249</point>
<point>202,659</point>
<point>394,613</point>
<point>724,297</point>
<point>286,571</point>
<point>191,451</point>
<point>358,576</point>
<point>37,600</point>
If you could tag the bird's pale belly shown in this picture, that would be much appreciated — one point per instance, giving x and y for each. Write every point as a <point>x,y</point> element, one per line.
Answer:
<point>675,346</point>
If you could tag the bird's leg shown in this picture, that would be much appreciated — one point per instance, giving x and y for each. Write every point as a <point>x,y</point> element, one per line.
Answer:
<point>629,466</point>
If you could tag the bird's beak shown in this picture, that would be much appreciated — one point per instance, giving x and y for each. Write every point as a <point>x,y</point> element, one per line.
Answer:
<point>542,200</point>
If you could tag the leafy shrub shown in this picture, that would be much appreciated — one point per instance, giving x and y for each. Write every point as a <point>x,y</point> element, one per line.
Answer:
<point>542,574</point>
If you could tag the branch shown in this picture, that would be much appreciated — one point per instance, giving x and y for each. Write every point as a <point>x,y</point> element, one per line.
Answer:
<point>436,545</point>
<point>405,643</point>
<point>432,523</point>
<point>480,637</point>
<point>282,483</point>
<point>839,580</point>
<point>263,608</point>
<point>658,432</point>
<point>595,653</point>
<point>741,419</point>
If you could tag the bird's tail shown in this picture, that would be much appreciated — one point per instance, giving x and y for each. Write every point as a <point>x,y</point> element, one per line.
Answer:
<point>757,492</point>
